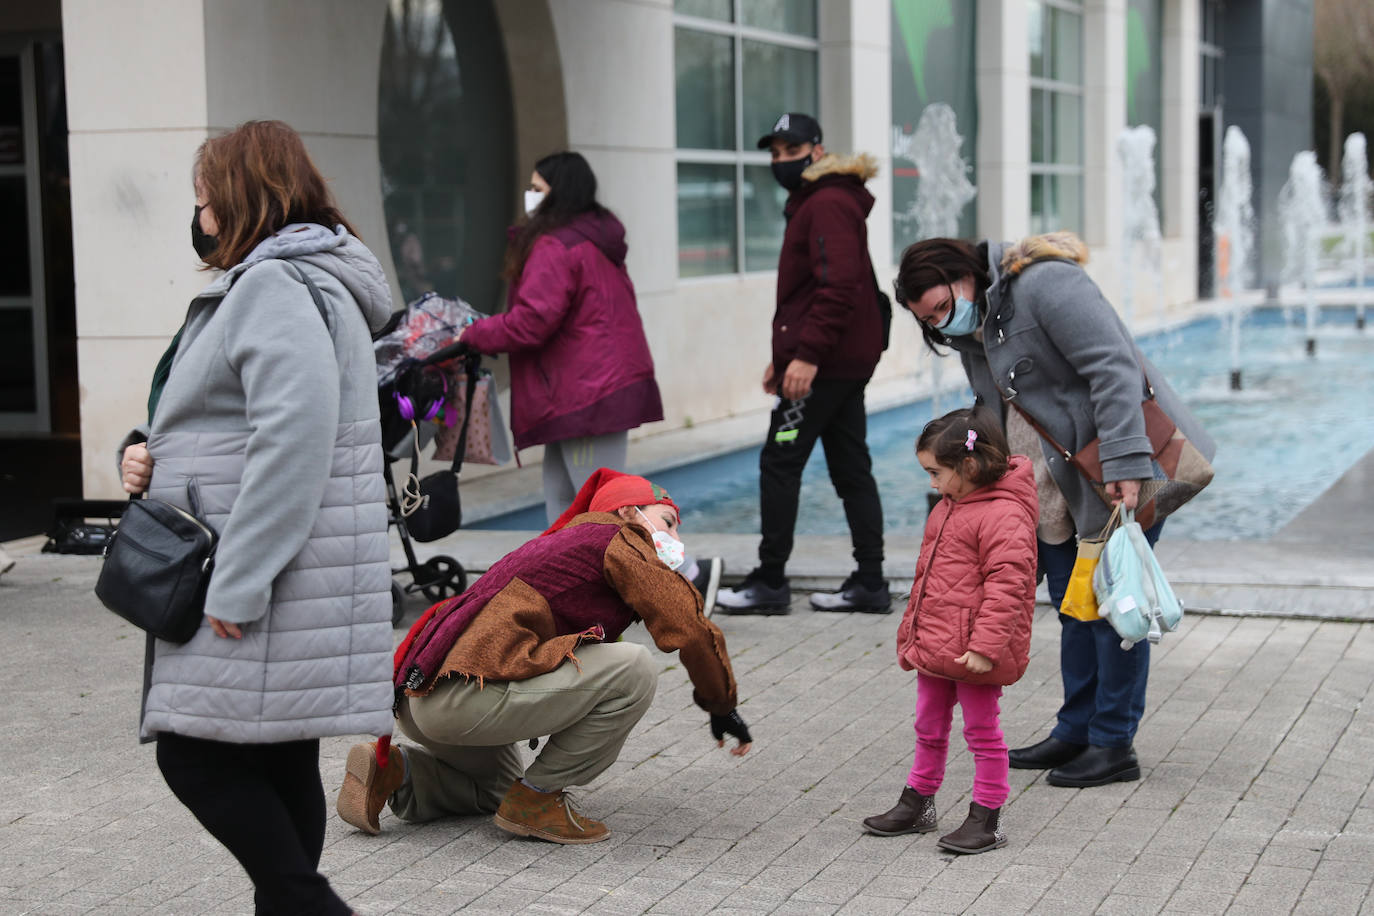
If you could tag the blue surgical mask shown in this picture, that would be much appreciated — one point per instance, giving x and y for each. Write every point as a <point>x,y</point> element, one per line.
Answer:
<point>963,319</point>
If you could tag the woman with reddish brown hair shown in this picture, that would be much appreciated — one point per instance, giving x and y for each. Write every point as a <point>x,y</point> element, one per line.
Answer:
<point>263,416</point>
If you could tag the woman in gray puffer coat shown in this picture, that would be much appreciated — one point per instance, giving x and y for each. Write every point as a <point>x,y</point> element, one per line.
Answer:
<point>1031,326</point>
<point>266,406</point>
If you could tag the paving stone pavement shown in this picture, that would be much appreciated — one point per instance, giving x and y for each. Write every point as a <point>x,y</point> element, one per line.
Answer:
<point>1256,747</point>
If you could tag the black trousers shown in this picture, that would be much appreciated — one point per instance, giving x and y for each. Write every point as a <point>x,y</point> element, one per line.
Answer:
<point>833,413</point>
<point>265,803</point>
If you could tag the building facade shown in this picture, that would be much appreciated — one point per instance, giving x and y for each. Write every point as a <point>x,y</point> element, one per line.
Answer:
<point>428,115</point>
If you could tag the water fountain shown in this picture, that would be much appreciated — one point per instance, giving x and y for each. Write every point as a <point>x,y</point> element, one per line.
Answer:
<point>1234,229</point>
<point>1135,149</point>
<point>1353,211</point>
<point>1302,211</point>
<point>944,188</point>
<point>942,192</point>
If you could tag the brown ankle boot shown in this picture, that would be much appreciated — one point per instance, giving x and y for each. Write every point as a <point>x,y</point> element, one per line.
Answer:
<point>546,816</point>
<point>366,786</point>
<point>979,832</point>
<point>913,813</point>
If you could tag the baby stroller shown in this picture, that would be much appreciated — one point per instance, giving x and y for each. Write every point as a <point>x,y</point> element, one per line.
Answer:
<point>412,387</point>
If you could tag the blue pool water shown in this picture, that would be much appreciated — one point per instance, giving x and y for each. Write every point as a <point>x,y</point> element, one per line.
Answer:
<point>1299,424</point>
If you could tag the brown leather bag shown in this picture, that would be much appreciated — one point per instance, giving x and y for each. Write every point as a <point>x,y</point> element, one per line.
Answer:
<point>1180,469</point>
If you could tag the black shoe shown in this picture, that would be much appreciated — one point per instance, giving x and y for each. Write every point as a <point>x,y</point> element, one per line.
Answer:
<point>707,581</point>
<point>1097,766</point>
<point>754,596</point>
<point>854,595</point>
<point>1046,755</point>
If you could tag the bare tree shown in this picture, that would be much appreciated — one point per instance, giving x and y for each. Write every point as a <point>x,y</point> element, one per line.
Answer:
<point>1343,57</point>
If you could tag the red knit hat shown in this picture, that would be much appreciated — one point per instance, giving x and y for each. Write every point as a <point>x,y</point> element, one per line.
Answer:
<point>607,491</point>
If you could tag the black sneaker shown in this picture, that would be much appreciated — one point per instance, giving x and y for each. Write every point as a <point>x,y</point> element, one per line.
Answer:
<point>754,596</point>
<point>855,596</point>
<point>707,581</point>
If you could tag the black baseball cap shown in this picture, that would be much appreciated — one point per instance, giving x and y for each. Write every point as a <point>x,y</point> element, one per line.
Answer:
<point>794,127</point>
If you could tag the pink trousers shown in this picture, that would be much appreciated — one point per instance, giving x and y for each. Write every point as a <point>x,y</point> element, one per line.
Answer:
<point>935,699</point>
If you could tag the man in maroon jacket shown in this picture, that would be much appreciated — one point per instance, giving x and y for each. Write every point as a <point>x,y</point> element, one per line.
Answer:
<point>827,337</point>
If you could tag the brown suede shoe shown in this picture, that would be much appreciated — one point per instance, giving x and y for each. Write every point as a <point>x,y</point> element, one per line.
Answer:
<point>546,816</point>
<point>913,813</point>
<point>366,786</point>
<point>979,832</point>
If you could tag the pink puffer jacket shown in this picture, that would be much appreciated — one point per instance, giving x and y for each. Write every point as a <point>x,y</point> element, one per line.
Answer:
<point>975,583</point>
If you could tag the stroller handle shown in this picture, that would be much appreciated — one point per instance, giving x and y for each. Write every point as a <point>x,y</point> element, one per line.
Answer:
<point>453,351</point>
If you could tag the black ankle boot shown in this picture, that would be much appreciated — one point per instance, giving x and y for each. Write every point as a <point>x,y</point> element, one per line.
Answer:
<point>913,813</point>
<point>1097,766</point>
<point>1044,755</point>
<point>980,831</point>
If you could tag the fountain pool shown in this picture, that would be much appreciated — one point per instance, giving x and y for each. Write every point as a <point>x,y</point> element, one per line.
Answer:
<point>1299,424</point>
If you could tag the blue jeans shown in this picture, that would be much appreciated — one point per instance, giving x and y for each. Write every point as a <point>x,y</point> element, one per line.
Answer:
<point>1104,687</point>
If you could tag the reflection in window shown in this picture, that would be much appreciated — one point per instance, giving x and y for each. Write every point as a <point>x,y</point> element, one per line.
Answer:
<point>934,58</point>
<point>447,189</point>
<point>725,188</point>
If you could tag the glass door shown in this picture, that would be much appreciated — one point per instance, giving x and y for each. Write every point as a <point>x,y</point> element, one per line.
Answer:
<point>23,336</point>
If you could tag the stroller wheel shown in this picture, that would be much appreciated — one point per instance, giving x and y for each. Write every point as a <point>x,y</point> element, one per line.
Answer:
<point>398,603</point>
<point>440,577</point>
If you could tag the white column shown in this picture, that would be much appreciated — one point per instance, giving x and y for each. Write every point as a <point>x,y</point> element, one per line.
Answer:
<point>1003,75</point>
<point>1104,117</point>
<point>856,99</point>
<point>136,110</point>
<point>147,82</point>
<point>1179,149</point>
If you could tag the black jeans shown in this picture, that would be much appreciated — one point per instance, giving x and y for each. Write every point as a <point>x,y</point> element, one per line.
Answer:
<point>833,413</point>
<point>265,803</point>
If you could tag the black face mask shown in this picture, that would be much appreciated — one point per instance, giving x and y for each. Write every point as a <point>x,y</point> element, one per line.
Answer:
<point>202,243</point>
<point>789,174</point>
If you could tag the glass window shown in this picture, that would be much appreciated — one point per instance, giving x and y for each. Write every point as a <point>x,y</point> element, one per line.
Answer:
<point>14,236</point>
<point>776,79</point>
<point>18,393</point>
<point>706,9</point>
<point>1055,38</point>
<point>447,190</point>
<point>706,219</point>
<point>11,113</point>
<point>934,56</point>
<point>729,207</point>
<point>705,65</point>
<point>792,16</point>
<point>763,201</point>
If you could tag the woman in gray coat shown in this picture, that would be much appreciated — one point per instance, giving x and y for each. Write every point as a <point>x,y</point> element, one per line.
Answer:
<point>265,405</point>
<point>1036,335</point>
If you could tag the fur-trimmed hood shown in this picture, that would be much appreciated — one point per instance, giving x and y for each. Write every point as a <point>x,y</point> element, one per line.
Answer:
<point>1062,245</point>
<point>862,165</point>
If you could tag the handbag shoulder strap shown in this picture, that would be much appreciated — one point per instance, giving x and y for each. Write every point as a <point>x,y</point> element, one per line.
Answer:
<point>315,295</point>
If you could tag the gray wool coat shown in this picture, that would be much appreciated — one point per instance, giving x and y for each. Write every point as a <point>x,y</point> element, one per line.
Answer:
<point>273,415</point>
<point>1051,338</point>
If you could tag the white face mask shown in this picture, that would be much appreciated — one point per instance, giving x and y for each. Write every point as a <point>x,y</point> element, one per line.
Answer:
<point>532,201</point>
<point>669,549</point>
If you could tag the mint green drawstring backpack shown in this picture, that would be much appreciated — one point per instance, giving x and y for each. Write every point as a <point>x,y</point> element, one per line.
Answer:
<point>1132,592</point>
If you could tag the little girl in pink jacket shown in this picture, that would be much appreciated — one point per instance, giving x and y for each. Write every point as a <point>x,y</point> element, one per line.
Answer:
<point>966,630</point>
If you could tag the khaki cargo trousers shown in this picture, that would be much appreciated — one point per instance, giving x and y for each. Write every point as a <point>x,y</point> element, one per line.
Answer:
<point>469,736</point>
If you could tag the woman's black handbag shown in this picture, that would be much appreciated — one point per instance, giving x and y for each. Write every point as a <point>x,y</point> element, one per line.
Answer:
<point>157,567</point>
<point>437,511</point>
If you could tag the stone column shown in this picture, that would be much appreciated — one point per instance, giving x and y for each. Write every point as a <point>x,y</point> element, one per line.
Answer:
<point>1003,75</point>
<point>147,82</point>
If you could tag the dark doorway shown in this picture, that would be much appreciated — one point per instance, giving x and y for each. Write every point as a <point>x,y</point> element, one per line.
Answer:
<point>1208,148</point>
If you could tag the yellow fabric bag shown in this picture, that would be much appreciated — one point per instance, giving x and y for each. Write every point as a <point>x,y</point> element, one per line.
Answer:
<point>1080,602</point>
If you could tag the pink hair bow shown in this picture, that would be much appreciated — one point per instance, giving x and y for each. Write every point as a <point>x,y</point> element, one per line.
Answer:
<point>972,438</point>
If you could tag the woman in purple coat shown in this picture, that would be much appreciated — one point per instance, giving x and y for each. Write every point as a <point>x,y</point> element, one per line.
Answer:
<point>581,373</point>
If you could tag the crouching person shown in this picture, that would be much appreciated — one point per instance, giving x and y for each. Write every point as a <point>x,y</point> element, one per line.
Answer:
<point>531,650</point>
